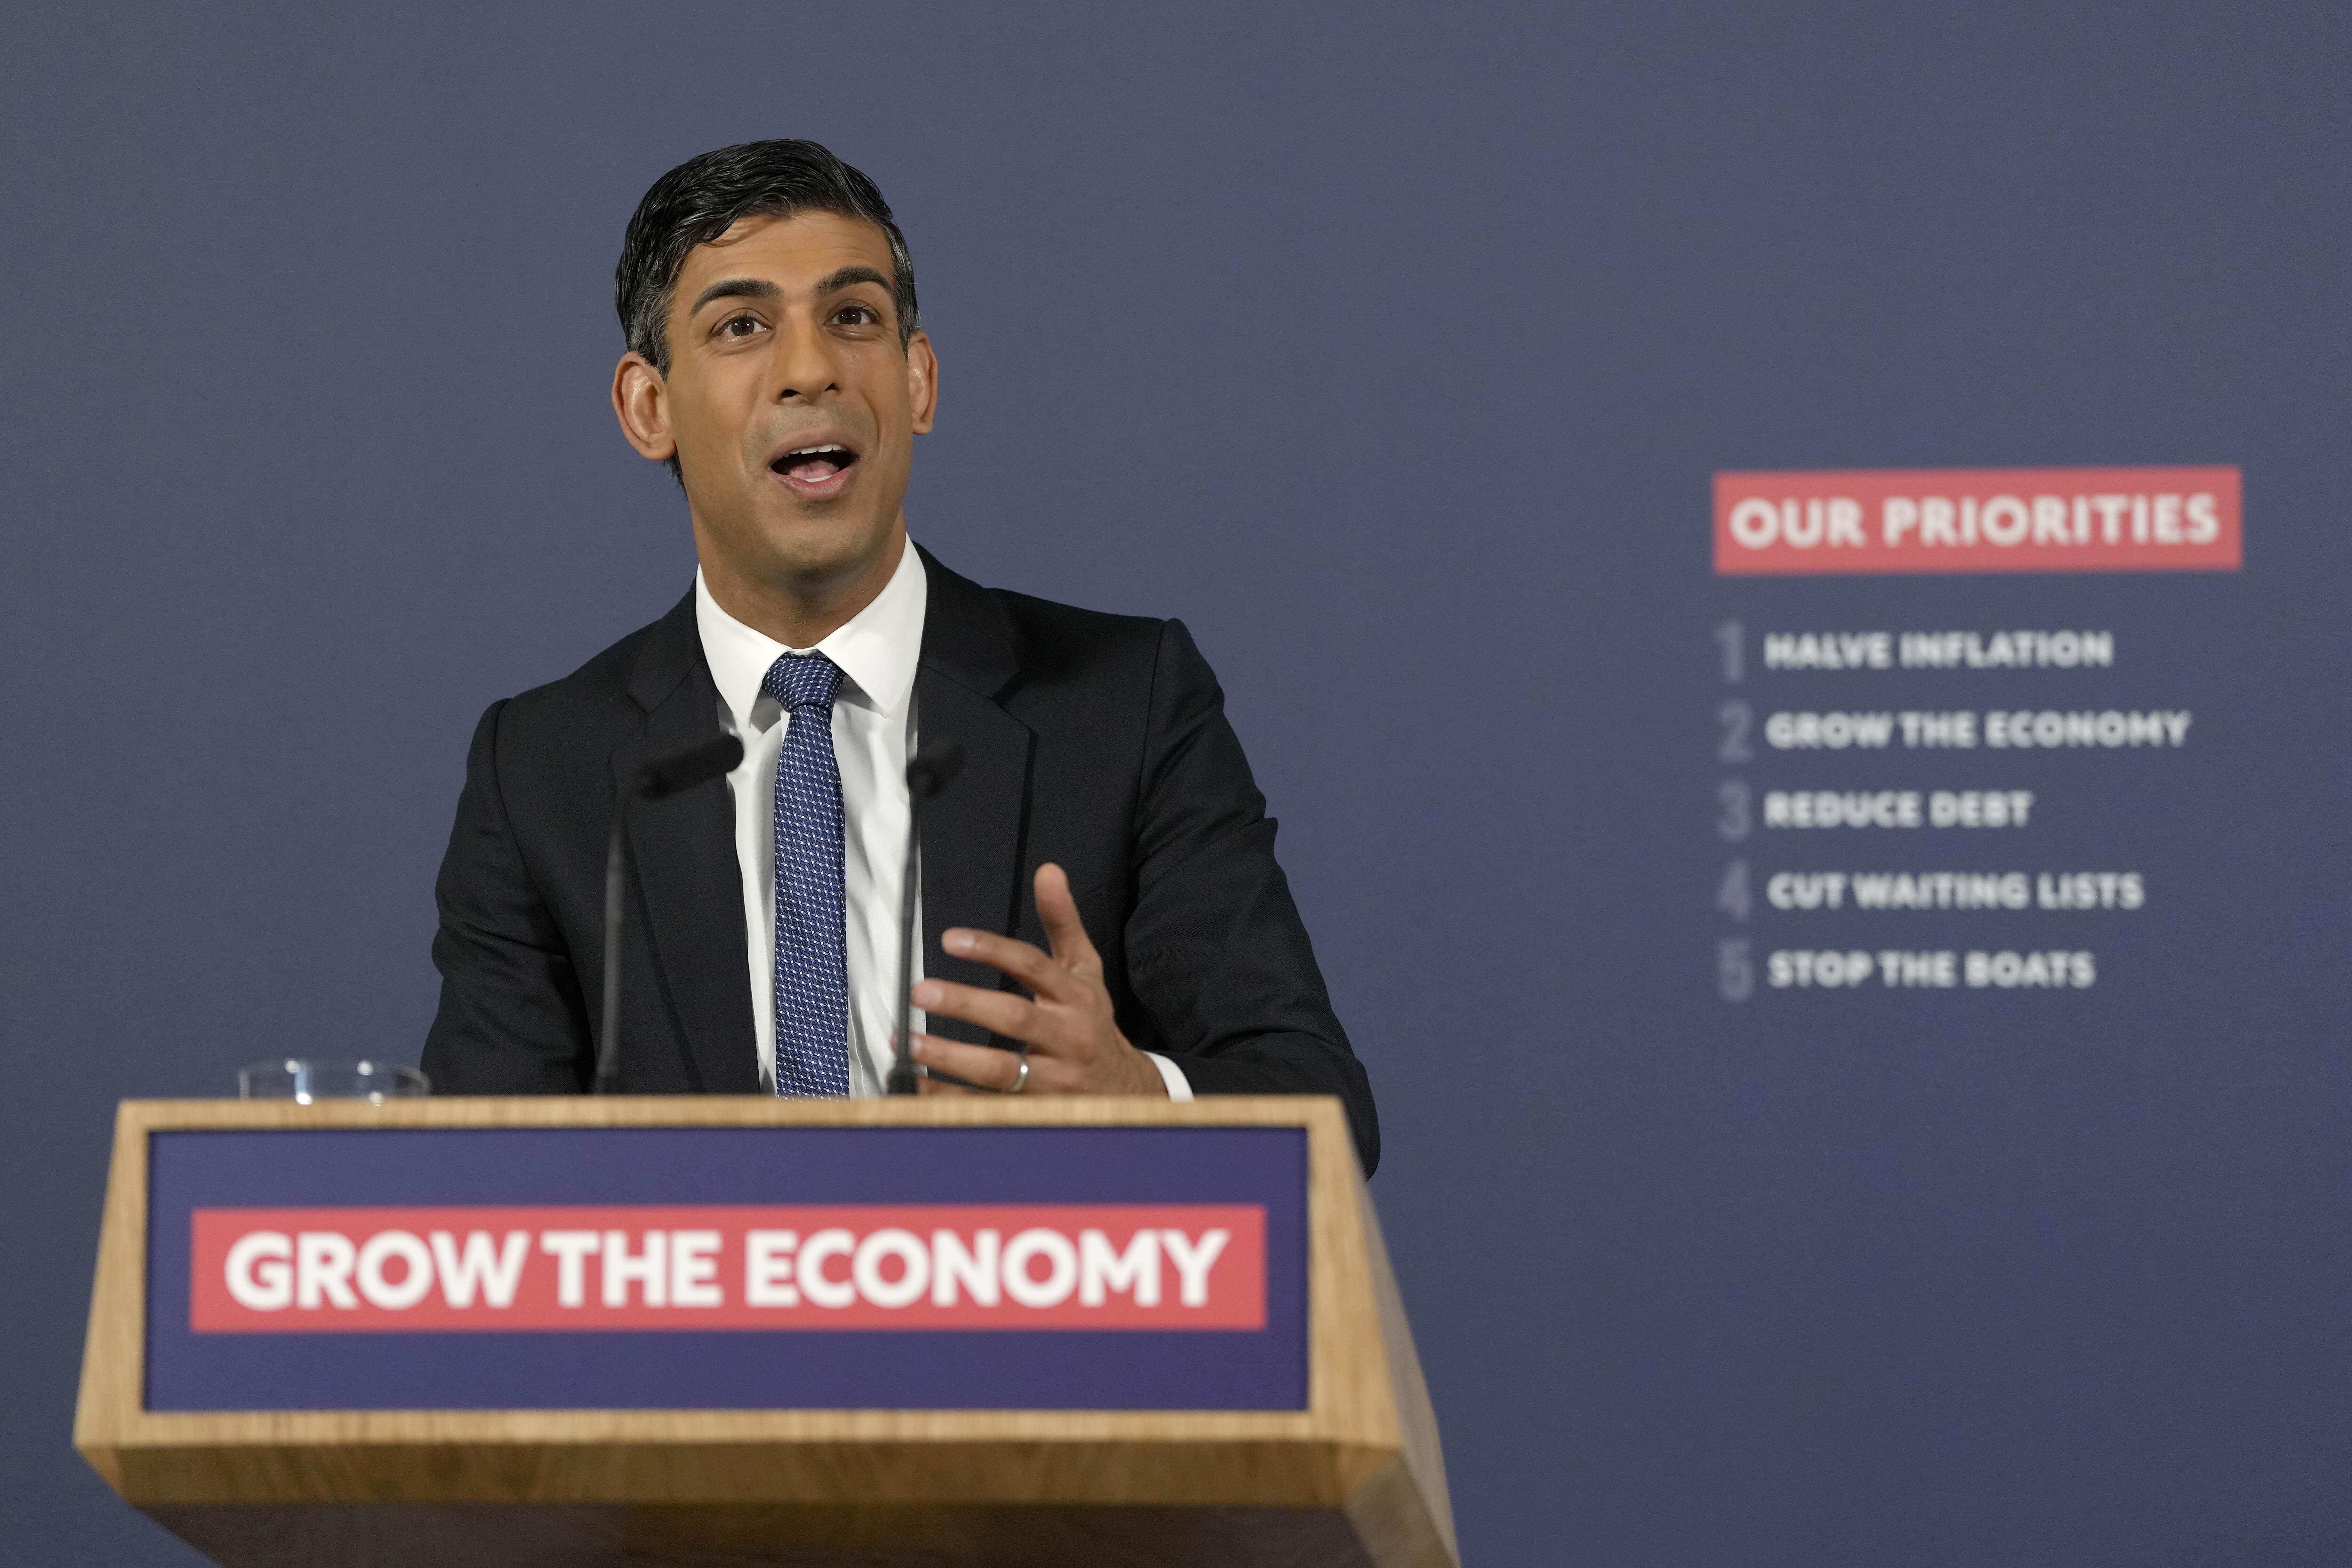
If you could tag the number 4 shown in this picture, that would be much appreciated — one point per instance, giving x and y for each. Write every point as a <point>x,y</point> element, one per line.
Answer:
<point>1731,897</point>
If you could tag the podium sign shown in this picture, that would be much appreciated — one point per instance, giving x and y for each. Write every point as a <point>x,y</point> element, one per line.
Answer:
<point>750,1330</point>
<point>726,1268</point>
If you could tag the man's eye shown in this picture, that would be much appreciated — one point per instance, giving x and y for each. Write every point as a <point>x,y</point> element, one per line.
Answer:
<point>856,315</point>
<point>739,326</point>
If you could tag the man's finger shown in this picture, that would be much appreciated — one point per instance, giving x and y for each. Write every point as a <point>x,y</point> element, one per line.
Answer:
<point>940,1083</point>
<point>928,1084</point>
<point>984,1069</point>
<point>1024,961</point>
<point>998,1012</point>
<point>1059,912</point>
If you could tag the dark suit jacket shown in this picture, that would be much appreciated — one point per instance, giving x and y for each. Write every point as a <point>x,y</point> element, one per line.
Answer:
<point>1096,742</point>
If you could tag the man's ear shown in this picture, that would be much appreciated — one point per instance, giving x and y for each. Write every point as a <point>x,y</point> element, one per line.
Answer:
<point>641,402</point>
<point>922,380</point>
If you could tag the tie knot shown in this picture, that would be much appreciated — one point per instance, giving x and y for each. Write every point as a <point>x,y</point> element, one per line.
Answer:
<point>799,681</point>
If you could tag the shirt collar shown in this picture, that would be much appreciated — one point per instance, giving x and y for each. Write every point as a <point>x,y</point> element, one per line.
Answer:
<point>877,648</point>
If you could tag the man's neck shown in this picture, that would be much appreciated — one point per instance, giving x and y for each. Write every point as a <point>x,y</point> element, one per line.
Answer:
<point>801,613</point>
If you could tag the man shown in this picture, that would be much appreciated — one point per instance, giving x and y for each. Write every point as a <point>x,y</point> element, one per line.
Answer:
<point>1103,848</point>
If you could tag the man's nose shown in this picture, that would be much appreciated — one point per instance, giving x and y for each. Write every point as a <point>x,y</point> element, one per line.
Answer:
<point>803,365</point>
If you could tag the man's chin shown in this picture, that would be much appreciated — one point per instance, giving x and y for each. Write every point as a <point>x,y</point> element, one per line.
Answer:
<point>820,544</point>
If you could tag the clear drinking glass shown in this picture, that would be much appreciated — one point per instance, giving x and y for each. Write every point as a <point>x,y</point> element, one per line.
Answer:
<point>303,1080</point>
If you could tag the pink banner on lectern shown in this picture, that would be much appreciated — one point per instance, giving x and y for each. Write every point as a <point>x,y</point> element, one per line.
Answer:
<point>933,1266</point>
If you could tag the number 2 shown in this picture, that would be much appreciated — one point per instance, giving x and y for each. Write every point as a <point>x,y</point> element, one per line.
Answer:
<point>1735,717</point>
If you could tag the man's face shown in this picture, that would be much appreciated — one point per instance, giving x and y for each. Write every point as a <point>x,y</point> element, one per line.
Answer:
<point>789,402</point>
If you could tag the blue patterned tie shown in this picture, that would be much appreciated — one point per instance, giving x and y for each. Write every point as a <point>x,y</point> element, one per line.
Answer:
<point>812,962</point>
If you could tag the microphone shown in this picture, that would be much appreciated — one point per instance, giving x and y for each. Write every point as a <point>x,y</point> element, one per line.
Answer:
<point>681,770</point>
<point>929,771</point>
<point>658,780</point>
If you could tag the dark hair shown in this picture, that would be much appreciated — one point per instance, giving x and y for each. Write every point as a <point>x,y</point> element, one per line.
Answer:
<point>701,198</point>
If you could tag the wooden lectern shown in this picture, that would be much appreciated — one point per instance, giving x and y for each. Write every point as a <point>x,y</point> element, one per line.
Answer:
<point>345,1334</point>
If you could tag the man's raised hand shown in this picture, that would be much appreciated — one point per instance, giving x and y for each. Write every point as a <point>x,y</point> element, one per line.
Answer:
<point>1066,1020</point>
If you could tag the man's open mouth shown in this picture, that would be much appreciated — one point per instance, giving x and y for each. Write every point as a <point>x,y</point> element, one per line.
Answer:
<point>814,464</point>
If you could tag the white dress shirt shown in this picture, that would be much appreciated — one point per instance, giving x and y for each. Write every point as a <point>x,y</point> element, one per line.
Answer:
<point>873,736</point>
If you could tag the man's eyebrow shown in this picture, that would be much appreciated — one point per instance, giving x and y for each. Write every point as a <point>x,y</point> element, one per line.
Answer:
<point>736,289</point>
<point>848,275</point>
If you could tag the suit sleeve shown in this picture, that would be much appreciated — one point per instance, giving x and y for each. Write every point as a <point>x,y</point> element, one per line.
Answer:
<point>1216,952</point>
<point>512,1018</point>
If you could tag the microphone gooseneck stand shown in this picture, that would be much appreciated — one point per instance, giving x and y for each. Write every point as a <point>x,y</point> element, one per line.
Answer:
<point>929,771</point>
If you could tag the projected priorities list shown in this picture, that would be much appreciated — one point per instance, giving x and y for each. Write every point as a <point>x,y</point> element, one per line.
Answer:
<point>1861,782</point>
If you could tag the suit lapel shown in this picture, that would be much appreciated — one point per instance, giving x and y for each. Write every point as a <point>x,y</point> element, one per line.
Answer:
<point>689,888</point>
<point>974,833</point>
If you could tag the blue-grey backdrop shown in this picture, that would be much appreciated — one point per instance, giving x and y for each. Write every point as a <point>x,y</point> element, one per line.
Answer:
<point>1393,347</point>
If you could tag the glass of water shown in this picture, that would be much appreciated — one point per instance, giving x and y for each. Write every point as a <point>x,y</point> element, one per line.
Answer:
<point>304,1081</point>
